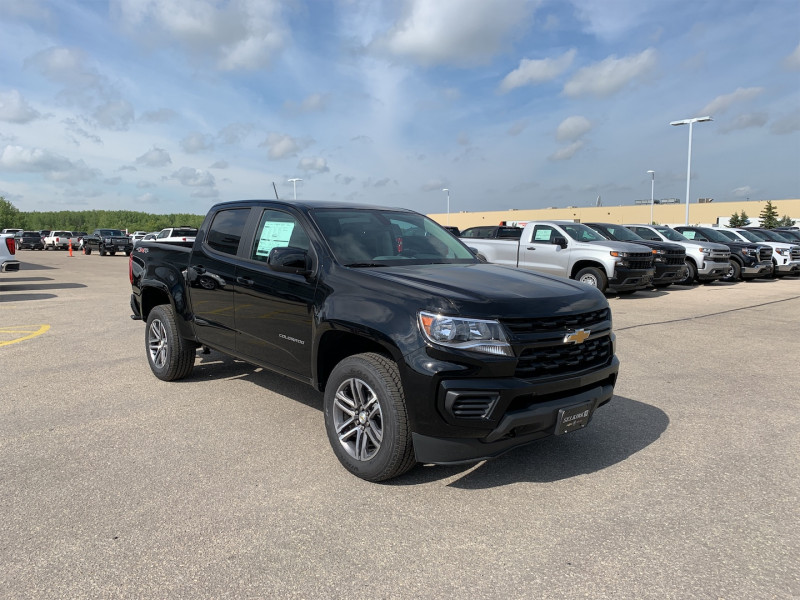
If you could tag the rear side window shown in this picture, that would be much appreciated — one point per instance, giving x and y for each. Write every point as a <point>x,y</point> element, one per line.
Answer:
<point>226,230</point>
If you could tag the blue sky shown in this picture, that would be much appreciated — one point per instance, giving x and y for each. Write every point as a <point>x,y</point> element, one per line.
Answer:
<point>172,105</point>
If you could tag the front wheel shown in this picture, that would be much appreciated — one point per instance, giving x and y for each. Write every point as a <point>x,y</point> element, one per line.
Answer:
<point>87,250</point>
<point>734,272</point>
<point>102,251</point>
<point>691,274</point>
<point>592,276</point>
<point>366,418</point>
<point>169,355</point>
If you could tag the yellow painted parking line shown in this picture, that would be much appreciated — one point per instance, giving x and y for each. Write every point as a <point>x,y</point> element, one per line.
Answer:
<point>25,332</point>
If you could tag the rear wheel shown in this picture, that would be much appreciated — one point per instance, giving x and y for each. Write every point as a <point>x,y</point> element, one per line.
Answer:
<point>366,418</point>
<point>592,276</point>
<point>102,251</point>
<point>111,252</point>
<point>169,355</point>
<point>87,249</point>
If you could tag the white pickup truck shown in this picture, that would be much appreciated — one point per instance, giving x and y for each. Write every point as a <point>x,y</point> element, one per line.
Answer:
<point>573,250</point>
<point>58,240</point>
<point>8,249</point>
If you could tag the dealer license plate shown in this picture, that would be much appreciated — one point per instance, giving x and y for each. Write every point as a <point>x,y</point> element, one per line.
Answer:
<point>573,418</point>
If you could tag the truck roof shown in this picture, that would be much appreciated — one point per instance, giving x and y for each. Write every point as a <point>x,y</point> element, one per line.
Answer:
<point>308,204</point>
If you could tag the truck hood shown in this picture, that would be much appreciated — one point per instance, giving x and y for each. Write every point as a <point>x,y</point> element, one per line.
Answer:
<point>486,290</point>
<point>619,246</point>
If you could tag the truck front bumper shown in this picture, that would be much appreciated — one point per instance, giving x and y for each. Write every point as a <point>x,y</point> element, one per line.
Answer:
<point>761,269</point>
<point>711,270</point>
<point>789,268</point>
<point>517,412</point>
<point>631,279</point>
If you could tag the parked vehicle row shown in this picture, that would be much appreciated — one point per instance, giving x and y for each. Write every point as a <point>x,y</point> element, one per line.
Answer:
<point>596,253</point>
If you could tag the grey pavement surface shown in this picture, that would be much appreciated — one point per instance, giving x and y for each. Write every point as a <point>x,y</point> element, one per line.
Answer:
<point>114,484</point>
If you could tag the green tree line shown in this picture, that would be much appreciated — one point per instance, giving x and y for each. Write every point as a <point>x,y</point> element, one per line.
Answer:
<point>88,220</point>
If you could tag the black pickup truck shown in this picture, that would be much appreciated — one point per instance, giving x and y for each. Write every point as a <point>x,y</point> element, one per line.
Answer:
<point>424,353</point>
<point>107,241</point>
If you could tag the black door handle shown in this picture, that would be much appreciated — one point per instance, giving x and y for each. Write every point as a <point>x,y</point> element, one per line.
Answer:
<point>244,281</point>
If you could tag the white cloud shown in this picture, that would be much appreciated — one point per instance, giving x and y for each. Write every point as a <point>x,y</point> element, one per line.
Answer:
<point>282,145</point>
<point>792,61</point>
<point>567,152</point>
<point>194,177</point>
<point>220,164</point>
<point>53,167</point>
<point>461,32</point>
<point>162,115</point>
<point>537,71</point>
<point>786,124</point>
<point>313,103</point>
<point>196,142</point>
<point>610,20</point>
<point>316,164</point>
<point>15,109</point>
<point>116,115</point>
<point>155,157</point>
<point>611,75</point>
<point>744,121</point>
<point>234,133</point>
<point>238,35</point>
<point>722,103</point>
<point>518,127</point>
<point>572,128</point>
<point>743,192</point>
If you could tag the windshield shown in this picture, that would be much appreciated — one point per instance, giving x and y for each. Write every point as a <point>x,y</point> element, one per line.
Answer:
<point>714,235</point>
<point>774,236</point>
<point>619,233</point>
<point>728,235</point>
<point>360,237</point>
<point>791,234</point>
<point>110,232</point>
<point>670,234</point>
<point>751,236</point>
<point>581,233</point>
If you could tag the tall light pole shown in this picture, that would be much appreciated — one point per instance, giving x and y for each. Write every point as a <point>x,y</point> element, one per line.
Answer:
<point>652,190</point>
<point>689,122</point>
<point>448,204</point>
<point>294,181</point>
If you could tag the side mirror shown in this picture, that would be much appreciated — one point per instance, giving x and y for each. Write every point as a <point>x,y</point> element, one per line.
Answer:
<point>289,260</point>
<point>560,241</point>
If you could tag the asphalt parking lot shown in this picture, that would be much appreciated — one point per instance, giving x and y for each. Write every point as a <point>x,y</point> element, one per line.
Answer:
<point>116,484</point>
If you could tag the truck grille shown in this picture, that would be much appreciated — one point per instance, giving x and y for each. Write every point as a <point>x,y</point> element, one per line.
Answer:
<point>641,263</point>
<point>765,253</point>
<point>718,256</point>
<point>557,323</point>
<point>676,258</point>
<point>795,252</point>
<point>564,358</point>
<point>544,352</point>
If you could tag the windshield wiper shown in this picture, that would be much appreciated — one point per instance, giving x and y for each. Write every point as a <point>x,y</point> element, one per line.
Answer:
<point>366,264</point>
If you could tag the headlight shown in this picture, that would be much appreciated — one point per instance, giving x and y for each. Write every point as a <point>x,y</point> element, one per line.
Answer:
<point>659,251</point>
<point>749,252</point>
<point>619,254</point>
<point>782,251</point>
<point>475,335</point>
<point>706,251</point>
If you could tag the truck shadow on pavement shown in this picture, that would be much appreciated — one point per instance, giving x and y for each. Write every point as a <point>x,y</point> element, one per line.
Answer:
<point>618,430</point>
<point>34,288</point>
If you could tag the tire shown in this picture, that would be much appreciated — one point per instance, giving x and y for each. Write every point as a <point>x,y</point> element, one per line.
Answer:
<point>102,251</point>
<point>128,252</point>
<point>87,250</point>
<point>169,355</point>
<point>691,274</point>
<point>366,418</point>
<point>734,272</point>
<point>111,252</point>
<point>592,276</point>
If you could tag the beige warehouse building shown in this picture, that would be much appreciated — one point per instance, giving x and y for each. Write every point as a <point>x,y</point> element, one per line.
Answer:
<point>709,213</point>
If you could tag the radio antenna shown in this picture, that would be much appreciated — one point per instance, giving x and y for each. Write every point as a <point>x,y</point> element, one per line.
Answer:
<point>276,191</point>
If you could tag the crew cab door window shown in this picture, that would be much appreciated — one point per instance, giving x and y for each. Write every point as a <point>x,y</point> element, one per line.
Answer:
<point>274,310</point>
<point>225,232</point>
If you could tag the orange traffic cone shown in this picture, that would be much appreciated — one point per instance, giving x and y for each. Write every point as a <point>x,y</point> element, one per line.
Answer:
<point>70,247</point>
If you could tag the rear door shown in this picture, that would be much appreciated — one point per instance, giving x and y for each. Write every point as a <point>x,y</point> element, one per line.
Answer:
<point>275,311</point>
<point>211,276</point>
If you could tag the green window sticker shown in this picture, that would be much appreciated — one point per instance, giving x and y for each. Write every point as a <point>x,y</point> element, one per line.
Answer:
<point>274,234</point>
<point>542,235</point>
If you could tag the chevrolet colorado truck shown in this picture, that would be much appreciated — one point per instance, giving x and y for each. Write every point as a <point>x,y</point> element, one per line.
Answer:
<point>573,250</point>
<point>423,353</point>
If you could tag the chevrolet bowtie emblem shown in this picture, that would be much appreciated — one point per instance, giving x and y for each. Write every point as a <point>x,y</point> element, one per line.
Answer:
<point>577,337</point>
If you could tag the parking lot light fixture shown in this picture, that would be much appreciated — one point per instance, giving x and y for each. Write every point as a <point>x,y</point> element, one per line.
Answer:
<point>448,204</point>
<point>294,181</point>
<point>689,122</point>
<point>652,189</point>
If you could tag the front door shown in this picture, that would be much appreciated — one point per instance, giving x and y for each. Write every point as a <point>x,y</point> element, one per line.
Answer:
<point>274,311</point>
